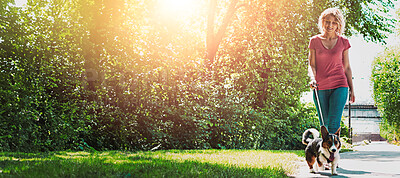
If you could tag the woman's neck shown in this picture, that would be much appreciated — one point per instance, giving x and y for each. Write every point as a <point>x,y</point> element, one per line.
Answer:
<point>329,36</point>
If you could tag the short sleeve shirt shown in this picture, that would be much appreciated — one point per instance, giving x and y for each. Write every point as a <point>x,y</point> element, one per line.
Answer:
<point>329,63</point>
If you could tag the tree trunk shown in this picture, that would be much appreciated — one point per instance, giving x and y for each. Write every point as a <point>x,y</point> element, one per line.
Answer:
<point>213,40</point>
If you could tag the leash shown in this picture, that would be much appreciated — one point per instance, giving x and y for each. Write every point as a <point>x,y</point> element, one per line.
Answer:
<point>319,105</point>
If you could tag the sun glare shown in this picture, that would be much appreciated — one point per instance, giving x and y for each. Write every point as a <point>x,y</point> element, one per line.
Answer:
<point>178,7</point>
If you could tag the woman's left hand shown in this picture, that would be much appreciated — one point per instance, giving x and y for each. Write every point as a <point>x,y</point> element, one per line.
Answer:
<point>352,97</point>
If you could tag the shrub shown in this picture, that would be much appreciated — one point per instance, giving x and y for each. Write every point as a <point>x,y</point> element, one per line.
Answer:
<point>386,81</point>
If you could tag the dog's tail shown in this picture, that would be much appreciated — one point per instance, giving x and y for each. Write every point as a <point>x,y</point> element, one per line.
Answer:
<point>306,135</point>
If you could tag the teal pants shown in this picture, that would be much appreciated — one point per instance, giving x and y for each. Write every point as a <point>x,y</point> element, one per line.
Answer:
<point>332,103</point>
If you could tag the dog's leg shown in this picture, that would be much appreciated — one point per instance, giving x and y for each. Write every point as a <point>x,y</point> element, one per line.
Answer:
<point>311,162</point>
<point>335,165</point>
<point>320,166</point>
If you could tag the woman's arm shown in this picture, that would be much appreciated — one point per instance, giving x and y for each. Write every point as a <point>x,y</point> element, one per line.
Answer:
<point>349,75</point>
<point>311,68</point>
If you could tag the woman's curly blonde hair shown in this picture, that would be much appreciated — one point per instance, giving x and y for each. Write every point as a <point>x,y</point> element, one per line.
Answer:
<point>335,13</point>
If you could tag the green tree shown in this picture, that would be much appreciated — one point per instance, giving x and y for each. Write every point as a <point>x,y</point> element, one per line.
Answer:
<point>39,65</point>
<point>367,18</point>
<point>385,78</point>
<point>133,75</point>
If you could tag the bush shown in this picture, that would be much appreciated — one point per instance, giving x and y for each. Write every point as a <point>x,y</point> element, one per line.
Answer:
<point>92,74</point>
<point>285,130</point>
<point>386,80</point>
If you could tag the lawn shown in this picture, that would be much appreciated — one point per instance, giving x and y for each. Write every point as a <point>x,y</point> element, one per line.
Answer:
<point>171,163</point>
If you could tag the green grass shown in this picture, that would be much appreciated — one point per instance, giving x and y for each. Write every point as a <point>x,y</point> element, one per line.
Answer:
<point>171,163</point>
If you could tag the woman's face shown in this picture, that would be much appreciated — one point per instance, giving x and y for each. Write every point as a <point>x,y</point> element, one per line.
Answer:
<point>330,24</point>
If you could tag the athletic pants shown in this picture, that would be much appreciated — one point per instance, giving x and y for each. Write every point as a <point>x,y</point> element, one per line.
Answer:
<point>332,103</point>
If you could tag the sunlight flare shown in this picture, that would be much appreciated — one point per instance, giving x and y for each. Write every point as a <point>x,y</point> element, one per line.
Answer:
<point>177,7</point>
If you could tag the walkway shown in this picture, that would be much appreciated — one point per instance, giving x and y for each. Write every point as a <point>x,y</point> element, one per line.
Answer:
<point>378,159</point>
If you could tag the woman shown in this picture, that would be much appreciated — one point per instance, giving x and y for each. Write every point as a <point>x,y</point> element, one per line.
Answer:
<point>330,68</point>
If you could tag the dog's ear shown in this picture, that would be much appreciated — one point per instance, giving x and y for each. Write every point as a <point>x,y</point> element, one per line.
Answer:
<point>338,132</point>
<point>324,132</point>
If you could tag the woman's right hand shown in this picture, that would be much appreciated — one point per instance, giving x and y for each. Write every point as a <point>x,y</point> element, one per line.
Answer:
<point>313,84</point>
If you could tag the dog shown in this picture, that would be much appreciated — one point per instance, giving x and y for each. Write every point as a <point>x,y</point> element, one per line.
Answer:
<point>322,150</point>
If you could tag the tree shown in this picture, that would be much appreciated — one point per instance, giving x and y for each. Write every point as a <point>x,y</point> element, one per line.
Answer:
<point>367,18</point>
<point>126,75</point>
<point>385,77</point>
<point>214,40</point>
<point>39,64</point>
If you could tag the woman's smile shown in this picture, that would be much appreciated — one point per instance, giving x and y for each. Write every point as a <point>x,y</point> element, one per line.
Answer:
<point>330,23</point>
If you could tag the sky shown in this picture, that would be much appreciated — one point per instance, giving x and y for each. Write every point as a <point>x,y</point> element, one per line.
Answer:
<point>361,55</point>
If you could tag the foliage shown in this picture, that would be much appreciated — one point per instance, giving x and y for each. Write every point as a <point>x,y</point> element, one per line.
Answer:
<point>173,163</point>
<point>365,17</point>
<point>130,75</point>
<point>386,79</point>
<point>39,67</point>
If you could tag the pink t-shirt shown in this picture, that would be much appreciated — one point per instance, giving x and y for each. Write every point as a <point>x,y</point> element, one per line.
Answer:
<point>329,63</point>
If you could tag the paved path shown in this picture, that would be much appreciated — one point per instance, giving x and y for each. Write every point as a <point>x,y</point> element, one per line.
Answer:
<point>378,159</point>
